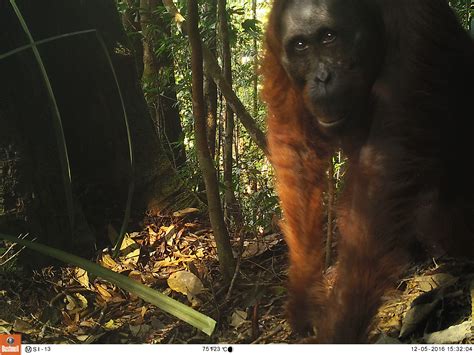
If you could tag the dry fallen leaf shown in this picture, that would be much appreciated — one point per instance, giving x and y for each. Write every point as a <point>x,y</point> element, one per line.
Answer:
<point>112,325</point>
<point>88,323</point>
<point>20,326</point>
<point>128,242</point>
<point>238,318</point>
<point>143,311</point>
<point>5,327</point>
<point>186,283</point>
<point>139,330</point>
<point>108,262</point>
<point>130,251</point>
<point>81,301</point>
<point>70,303</point>
<point>430,282</point>
<point>258,246</point>
<point>165,263</point>
<point>136,275</point>
<point>103,292</point>
<point>199,253</point>
<point>72,328</point>
<point>82,277</point>
<point>184,212</point>
<point>84,338</point>
<point>170,234</point>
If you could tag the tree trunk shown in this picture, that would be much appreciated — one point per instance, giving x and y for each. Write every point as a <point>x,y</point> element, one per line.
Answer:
<point>232,209</point>
<point>213,70</point>
<point>210,88</point>
<point>92,119</point>
<point>131,24</point>
<point>224,249</point>
<point>255,65</point>
<point>159,80</point>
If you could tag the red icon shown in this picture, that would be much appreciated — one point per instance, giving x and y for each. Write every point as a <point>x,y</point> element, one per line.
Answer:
<point>10,344</point>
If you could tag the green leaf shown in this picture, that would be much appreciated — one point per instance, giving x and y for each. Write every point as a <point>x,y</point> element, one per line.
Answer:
<point>251,25</point>
<point>167,304</point>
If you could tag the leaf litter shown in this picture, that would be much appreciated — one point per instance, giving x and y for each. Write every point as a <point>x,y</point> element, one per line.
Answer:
<point>177,256</point>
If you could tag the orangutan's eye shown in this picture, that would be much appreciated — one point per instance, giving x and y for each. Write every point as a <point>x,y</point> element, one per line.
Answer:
<point>328,37</point>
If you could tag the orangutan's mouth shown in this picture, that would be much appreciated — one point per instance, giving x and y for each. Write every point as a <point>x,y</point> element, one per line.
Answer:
<point>331,124</point>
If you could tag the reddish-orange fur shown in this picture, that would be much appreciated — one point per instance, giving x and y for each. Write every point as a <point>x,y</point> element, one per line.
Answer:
<point>379,218</point>
<point>300,174</point>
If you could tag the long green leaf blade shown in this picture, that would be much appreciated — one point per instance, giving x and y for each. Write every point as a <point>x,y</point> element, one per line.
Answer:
<point>167,304</point>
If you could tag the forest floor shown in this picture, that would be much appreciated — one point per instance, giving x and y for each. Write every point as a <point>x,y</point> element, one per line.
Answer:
<point>433,303</point>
